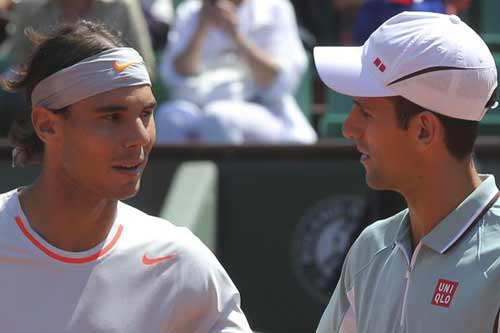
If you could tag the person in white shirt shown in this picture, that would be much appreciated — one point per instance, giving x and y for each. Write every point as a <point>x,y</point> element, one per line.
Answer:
<point>232,67</point>
<point>73,257</point>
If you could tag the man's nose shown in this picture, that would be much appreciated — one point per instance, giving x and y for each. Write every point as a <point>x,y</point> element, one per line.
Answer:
<point>351,128</point>
<point>138,134</point>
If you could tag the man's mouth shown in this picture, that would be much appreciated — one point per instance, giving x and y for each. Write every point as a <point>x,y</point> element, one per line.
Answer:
<point>134,166</point>
<point>364,155</point>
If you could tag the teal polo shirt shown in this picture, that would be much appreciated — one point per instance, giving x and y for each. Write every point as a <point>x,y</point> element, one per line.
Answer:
<point>450,282</point>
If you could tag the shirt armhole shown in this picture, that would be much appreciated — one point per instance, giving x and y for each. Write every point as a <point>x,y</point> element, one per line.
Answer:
<point>496,328</point>
<point>349,321</point>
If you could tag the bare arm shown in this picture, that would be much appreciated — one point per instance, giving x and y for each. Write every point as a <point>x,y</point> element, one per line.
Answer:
<point>222,15</point>
<point>187,63</point>
<point>264,69</point>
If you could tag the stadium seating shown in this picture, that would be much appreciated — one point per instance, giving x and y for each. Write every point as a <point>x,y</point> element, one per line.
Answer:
<point>490,124</point>
<point>488,23</point>
<point>304,93</point>
<point>337,108</point>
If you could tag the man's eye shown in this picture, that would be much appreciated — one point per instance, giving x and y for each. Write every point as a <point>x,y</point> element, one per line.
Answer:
<point>365,114</point>
<point>112,116</point>
<point>146,114</point>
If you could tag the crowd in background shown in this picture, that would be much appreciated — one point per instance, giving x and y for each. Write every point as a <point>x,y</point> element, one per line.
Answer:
<point>224,71</point>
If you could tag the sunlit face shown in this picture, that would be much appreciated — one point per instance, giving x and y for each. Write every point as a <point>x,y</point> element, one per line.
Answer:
<point>387,152</point>
<point>106,140</point>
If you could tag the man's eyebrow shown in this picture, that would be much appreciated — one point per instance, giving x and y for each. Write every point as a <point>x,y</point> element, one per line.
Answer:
<point>151,105</point>
<point>121,108</point>
<point>111,108</point>
<point>361,104</point>
<point>358,103</point>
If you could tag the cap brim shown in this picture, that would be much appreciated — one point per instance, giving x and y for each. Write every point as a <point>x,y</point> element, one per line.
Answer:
<point>341,69</point>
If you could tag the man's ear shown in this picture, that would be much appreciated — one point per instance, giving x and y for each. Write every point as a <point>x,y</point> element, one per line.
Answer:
<point>427,129</point>
<point>45,123</point>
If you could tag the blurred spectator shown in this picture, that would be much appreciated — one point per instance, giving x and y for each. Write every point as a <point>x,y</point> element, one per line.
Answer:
<point>5,7</point>
<point>232,68</point>
<point>346,11</point>
<point>5,17</point>
<point>319,19</point>
<point>359,18</point>
<point>124,16</point>
<point>373,13</point>
<point>159,16</point>
<point>457,6</point>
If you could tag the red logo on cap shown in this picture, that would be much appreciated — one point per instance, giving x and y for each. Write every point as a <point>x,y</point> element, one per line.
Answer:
<point>443,294</point>
<point>379,64</point>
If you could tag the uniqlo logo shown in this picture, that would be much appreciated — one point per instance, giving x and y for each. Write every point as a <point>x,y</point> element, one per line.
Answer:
<point>443,295</point>
<point>379,64</point>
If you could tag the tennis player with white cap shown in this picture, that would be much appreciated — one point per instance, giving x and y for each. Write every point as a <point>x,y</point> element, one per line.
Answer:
<point>73,257</point>
<point>420,85</point>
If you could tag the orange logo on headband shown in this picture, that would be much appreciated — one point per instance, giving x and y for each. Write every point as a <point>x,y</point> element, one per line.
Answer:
<point>121,67</point>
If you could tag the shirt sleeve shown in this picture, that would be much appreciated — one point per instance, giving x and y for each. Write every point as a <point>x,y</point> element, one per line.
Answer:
<point>496,329</point>
<point>285,47</point>
<point>230,317</point>
<point>209,302</point>
<point>340,314</point>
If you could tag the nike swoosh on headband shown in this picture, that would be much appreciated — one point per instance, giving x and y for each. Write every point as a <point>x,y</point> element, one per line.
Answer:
<point>119,67</point>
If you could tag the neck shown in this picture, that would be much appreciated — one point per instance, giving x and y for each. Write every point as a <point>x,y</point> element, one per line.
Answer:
<point>67,218</point>
<point>437,194</point>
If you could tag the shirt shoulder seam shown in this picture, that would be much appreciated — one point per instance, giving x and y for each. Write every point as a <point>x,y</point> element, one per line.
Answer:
<point>355,275</point>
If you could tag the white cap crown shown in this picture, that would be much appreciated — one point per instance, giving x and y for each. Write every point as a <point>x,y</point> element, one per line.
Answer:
<point>433,60</point>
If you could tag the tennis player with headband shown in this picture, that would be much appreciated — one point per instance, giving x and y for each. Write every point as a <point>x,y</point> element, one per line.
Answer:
<point>73,258</point>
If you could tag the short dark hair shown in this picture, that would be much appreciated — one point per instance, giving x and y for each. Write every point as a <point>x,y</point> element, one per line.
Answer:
<point>460,135</point>
<point>65,45</point>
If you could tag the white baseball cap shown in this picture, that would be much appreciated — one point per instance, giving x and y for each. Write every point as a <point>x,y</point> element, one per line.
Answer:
<point>434,60</point>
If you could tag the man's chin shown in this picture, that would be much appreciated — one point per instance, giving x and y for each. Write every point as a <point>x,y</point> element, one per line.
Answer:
<point>128,192</point>
<point>374,183</point>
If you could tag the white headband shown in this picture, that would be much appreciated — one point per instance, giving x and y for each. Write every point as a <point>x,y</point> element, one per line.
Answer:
<point>111,69</point>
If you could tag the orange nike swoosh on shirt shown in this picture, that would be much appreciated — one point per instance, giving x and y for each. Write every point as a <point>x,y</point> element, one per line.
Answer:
<point>152,261</point>
<point>121,67</point>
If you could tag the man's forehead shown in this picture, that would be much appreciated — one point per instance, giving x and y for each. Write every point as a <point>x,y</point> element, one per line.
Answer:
<point>125,93</point>
<point>123,96</point>
<point>370,101</point>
